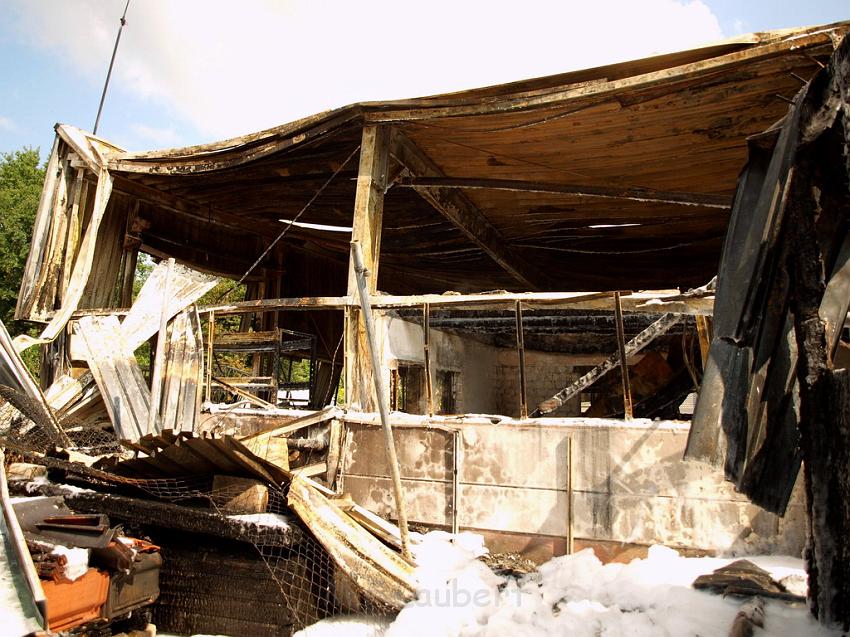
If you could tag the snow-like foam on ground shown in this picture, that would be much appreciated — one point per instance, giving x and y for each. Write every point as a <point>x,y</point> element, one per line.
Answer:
<point>263,519</point>
<point>78,561</point>
<point>579,596</point>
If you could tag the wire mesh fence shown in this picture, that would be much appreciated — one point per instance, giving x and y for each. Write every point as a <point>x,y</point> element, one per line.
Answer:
<point>306,581</point>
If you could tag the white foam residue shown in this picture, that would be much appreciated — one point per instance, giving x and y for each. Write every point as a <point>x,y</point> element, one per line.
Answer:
<point>78,561</point>
<point>263,519</point>
<point>579,596</point>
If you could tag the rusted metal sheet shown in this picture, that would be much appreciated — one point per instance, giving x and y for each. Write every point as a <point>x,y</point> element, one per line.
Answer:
<point>380,572</point>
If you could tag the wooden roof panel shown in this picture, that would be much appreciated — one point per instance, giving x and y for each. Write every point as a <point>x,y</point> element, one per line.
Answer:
<point>675,123</point>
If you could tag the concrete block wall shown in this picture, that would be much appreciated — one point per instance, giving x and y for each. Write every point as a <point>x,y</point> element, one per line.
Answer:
<point>630,484</point>
<point>488,376</point>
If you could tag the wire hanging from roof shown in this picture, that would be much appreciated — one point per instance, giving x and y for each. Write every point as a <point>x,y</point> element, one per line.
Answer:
<point>289,225</point>
<point>111,64</point>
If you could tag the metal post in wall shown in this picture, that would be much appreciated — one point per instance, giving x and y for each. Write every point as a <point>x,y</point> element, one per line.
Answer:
<point>426,328</point>
<point>381,395</point>
<point>456,442</point>
<point>624,367</point>
<point>520,346</point>
<point>210,338</point>
<point>569,495</point>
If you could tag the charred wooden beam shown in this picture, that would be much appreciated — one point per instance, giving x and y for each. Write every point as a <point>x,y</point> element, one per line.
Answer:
<point>721,202</point>
<point>458,209</point>
<point>624,363</point>
<point>366,231</point>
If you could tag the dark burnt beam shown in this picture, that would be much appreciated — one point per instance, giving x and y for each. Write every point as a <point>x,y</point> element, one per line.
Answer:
<point>461,212</point>
<point>187,208</point>
<point>722,202</point>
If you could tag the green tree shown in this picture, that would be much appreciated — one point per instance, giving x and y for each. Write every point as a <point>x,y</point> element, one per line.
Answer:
<point>21,179</point>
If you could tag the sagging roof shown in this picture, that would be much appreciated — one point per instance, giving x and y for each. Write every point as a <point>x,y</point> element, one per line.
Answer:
<point>618,177</point>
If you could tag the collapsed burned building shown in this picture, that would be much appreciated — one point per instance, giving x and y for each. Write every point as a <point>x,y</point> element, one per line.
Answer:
<point>511,289</point>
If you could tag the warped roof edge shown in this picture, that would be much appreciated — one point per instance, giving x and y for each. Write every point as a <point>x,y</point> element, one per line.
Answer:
<point>539,93</point>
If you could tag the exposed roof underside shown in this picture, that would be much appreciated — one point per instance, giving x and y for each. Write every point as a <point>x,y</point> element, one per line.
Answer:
<point>612,178</point>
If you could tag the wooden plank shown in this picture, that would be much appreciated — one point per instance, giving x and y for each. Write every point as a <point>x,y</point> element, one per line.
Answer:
<point>242,394</point>
<point>649,302</point>
<point>366,229</point>
<point>624,362</point>
<point>515,185</point>
<point>15,375</point>
<point>241,152</point>
<point>595,91</point>
<point>81,270</point>
<point>161,344</point>
<point>187,286</point>
<point>176,375</point>
<point>126,395</point>
<point>314,418</point>
<point>464,215</point>
<point>376,569</point>
<point>310,470</point>
<point>29,290</point>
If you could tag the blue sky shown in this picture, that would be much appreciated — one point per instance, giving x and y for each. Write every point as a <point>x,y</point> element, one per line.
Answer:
<point>191,71</point>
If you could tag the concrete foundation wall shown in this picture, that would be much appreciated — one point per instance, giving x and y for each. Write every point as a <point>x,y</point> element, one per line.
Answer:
<point>629,483</point>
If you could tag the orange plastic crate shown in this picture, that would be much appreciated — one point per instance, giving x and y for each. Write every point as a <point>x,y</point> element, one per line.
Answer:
<point>74,603</point>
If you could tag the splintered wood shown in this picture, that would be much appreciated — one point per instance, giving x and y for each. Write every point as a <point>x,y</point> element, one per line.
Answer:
<point>383,574</point>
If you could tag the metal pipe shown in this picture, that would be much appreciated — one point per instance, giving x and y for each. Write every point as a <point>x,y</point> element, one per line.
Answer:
<point>366,309</point>
<point>18,542</point>
<point>426,327</point>
<point>456,441</point>
<point>111,64</point>
<point>520,346</point>
<point>210,338</point>
<point>569,495</point>
<point>624,367</point>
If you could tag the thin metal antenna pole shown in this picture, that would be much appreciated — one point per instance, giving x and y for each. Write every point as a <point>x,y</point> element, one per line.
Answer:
<point>111,64</point>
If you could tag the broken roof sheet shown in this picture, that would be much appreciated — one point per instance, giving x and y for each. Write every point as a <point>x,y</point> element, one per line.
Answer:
<point>619,173</point>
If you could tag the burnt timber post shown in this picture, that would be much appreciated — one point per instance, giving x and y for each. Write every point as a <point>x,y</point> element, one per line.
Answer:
<point>366,230</point>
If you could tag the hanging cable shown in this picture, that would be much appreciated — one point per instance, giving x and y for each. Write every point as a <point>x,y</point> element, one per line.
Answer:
<point>288,226</point>
<point>111,64</point>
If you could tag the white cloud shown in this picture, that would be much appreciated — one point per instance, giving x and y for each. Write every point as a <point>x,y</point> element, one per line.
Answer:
<point>7,124</point>
<point>161,137</point>
<point>232,67</point>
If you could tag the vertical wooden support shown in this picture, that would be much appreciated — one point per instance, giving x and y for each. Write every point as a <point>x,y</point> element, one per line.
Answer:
<point>130,260</point>
<point>570,475</point>
<point>426,327</point>
<point>457,440</point>
<point>704,333</point>
<point>366,231</point>
<point>624,365</point>
<point>520,347</point>
<point>381,394</point>
<point>210,340</point>
<point>159,362</point>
